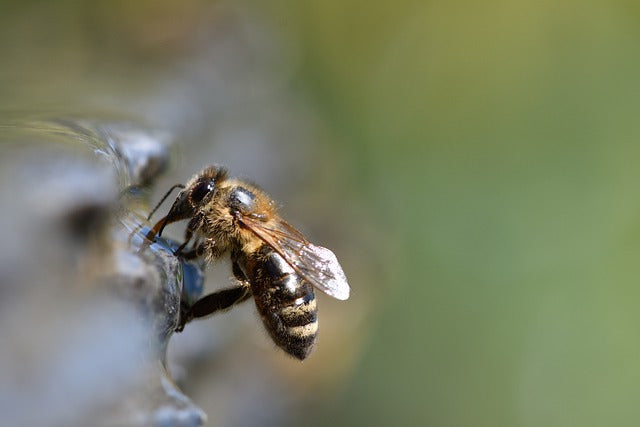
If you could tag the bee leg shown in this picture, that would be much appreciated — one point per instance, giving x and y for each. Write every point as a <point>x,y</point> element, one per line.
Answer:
<point>217,301</point>
<point>192,253</point>
<point>196,251</point>
<point>188,234</point>
<point>208,247</point>
<point>178,252</point>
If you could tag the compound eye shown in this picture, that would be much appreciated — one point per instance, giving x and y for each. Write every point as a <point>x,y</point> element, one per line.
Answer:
<point>201,190</point>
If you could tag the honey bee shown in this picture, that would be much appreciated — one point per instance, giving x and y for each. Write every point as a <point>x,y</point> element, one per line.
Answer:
<point>272,261</point>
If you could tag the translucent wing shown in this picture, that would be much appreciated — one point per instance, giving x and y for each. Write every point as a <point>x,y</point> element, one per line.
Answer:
<point>318,265</point>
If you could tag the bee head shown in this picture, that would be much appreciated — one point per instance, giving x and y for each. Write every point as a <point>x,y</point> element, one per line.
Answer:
<point>197,193</point>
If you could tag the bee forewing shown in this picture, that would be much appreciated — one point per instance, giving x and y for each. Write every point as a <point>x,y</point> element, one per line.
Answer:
<point>318,265</point>
<point>322,269</point>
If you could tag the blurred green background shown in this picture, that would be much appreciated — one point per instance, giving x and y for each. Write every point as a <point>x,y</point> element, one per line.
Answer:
<point>483,156</point>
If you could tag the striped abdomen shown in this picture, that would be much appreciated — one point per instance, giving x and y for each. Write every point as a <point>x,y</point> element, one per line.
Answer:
<point>286,303</point>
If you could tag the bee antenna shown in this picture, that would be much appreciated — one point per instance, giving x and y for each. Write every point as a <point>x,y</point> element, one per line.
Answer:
<point>163,199</point>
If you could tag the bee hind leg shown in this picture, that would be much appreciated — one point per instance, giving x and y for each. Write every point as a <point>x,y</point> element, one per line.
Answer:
<point>214,302</point>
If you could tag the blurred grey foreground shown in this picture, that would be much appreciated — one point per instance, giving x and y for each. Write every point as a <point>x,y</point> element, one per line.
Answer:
<point>87,304</point>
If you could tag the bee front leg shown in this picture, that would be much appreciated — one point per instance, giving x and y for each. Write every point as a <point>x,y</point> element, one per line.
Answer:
<point>188,234</point>
<point>208,247</point>
<point>212,303</point>
<point>193,253</point>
